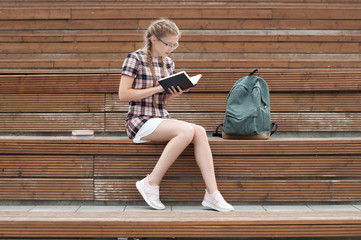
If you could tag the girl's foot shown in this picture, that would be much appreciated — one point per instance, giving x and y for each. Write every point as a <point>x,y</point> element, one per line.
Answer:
<point>216,202</point>
<point>150,193</point>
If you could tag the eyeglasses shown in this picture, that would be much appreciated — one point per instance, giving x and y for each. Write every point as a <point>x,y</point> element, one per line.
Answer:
<point>172,46</point>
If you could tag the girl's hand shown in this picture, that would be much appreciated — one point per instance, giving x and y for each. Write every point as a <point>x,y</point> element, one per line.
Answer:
<point>176,92</point>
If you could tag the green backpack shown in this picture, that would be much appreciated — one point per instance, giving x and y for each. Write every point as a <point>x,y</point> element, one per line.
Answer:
<point>248,111</point>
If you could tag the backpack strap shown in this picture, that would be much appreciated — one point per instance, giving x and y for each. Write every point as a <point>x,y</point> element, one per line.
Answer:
<point>274,125</point>
<point>256,70</point>
<point>217,134</point>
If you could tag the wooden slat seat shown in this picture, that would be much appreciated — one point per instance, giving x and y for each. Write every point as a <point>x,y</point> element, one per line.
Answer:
<point>46,189</point>
<point>63,102</point>
<point>237,190</point>
<point>113,62</point>
<point>226,24</point>
<point>233,15</point>
<point>234,166</point>
<point>280,169</point>
<point>191,102</point>
<point>114,122</point>
<point>181,224</point>
<point>235,41</point>
<point>115,145</point>
<point>288,122</point>
<point>287,11</point>
<point>46,166</point>
<point>279,80</point>
<point>240,49</point>
<point>87,50</point>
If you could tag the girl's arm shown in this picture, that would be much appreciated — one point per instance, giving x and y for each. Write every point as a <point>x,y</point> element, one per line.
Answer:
<point>127,93</point>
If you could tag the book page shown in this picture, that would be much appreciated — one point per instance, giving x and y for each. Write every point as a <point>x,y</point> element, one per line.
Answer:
<point>195,78</point>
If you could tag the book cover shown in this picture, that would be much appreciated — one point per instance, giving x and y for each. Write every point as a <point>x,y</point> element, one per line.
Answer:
<point>180,79</point>
<point>83,133</point>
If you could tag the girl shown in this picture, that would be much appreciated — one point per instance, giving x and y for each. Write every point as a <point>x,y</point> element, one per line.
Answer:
<point>148,120</point>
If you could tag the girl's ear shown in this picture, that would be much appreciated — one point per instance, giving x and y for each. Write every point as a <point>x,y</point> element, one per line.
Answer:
<point>153,39</point>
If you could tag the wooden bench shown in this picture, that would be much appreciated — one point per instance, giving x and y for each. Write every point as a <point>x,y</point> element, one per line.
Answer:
<point>192,225</point>
<point>106,168</point>
<point>78,32</point>
<point>60,66</point>
<point>62,102</point>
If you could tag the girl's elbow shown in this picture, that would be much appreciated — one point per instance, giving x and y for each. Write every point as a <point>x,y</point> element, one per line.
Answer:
<point>123,97</point>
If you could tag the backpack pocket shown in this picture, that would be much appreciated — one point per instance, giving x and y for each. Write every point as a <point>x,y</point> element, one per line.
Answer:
<point>252,124</point>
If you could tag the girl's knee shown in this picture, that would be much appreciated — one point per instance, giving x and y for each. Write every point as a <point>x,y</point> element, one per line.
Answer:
<point>199,130</point>
<point>200,133</point>
<point>187,131</point>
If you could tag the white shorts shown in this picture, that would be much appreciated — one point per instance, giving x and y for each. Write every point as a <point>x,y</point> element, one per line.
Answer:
<point>148,128</point>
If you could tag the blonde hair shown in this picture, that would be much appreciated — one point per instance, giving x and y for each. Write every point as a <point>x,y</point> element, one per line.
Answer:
<point>159,28</point>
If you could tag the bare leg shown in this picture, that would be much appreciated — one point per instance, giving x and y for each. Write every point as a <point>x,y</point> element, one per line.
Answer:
<point>204,158</point>
<point>180,135</point>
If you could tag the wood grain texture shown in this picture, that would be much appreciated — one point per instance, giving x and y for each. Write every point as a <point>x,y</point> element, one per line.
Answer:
<point>165,224</point>
<point>46,189</point>
<point>51,166</point>
<point>116,145</point>
<point>236,190</point>
<point>241,166</point>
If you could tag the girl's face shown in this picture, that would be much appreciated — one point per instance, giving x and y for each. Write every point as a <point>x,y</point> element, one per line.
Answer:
<point>163,47</point>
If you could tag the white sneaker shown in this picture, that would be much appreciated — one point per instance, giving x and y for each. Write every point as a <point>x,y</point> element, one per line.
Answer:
<point>216,202</point>
<point>150,193</point>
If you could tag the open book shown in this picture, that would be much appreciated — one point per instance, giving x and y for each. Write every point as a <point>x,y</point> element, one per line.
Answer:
<point>180,79</point>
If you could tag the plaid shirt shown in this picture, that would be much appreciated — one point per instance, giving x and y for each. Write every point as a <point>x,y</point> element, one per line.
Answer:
<point>140,111</point>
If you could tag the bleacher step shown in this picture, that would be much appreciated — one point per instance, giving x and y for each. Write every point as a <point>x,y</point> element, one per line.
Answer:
<point>308,220</point>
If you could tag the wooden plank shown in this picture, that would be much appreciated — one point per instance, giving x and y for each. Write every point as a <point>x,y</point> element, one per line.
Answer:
<point>50,122</point>
<point>315,102</point>
<point>53,166</point>
<point>46,189</point>
<point>270,47</point>
<point>68,47</point>
<point>281,80</point>
<point>299,122</point>
<point>18,13</point>
<point>170,11</point>
<point>117,145</point>
<point>71,24</point>
<point>45,103</point>
<point>318,122</point>
<point>280,102</point>
<point>68,83</point>
<point>261,24</point>
<point>234,166</point>
<point>212,81</point>
<point>236,190</point>
<point>192,11</point>
<point>234,11</point>
<point>201,47</point>
<point>107,62</point>
<point>181,224</point>
<point>299,13</point>
<point>189,37</point>
<point>205,24</point>
<point>268,62</point>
